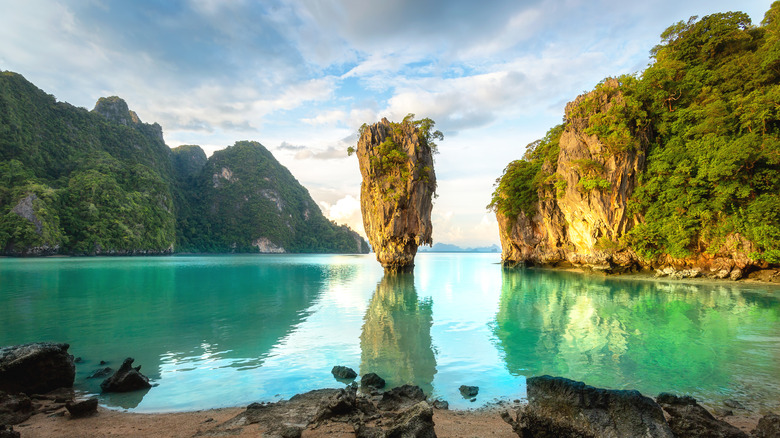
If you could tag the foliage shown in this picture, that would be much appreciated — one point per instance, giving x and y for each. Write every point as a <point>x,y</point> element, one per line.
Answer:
<point>517,190</point>
<point>242,193</point>
<point>708,109</point>
<point>390,161</point>
<point>90,185</point>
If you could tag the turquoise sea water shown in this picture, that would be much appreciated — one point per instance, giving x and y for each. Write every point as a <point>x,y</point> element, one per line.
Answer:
<point>215,331</point>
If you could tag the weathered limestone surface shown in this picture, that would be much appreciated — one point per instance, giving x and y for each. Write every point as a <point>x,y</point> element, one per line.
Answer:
<point>576,227</point>
<point>396,200</point>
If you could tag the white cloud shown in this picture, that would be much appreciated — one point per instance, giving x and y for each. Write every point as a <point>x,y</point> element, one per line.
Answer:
<point>327,118</point>
<point>345,211</point>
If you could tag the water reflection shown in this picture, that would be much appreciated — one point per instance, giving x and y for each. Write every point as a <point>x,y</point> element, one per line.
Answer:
<point>396,338</point>
<point>173,315</point>
<point>700,339</point>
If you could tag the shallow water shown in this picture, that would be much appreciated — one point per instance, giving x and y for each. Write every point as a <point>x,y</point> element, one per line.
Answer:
<point>215,331</point>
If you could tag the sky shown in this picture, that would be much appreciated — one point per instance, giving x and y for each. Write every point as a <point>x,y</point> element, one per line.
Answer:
<point>301,76</point>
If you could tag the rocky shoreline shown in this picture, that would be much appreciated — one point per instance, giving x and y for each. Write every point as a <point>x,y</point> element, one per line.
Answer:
<point>37,399</point>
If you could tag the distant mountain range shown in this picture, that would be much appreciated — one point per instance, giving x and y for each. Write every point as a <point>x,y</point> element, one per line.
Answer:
<point>446,247</point>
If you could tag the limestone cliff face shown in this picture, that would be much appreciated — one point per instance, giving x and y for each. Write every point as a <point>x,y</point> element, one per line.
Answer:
<point>577,220</point>
<point>396,164</point>
<point>580,220</point>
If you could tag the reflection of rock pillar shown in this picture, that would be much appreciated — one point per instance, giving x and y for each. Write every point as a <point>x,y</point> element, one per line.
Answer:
<point>396,338</point>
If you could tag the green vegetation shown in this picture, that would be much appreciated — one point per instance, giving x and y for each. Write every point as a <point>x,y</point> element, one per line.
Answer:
<point>517,190</point>
<point>242,193</point>
<point>74,181</point>
<point>391,162</point>
<point>707,110</point>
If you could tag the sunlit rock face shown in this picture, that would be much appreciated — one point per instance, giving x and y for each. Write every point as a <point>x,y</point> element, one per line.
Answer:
<point>396,164</point>
<point>574,224</point>
<point>582,220</point>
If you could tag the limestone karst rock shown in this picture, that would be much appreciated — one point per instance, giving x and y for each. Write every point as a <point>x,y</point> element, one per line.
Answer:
<point>396,163</point>
<point>571,221</point>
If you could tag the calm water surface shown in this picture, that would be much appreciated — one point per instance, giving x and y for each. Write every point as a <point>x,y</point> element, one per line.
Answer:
<point>215,331</point>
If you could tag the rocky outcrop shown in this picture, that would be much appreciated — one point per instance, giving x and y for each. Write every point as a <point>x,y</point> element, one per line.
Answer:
<point>563,407</point>
<point>396,164</point>
<point>342,372</point>
<point>82,408</point>
<point>36,368</point>
<point>15,408</point>
<point>404,413</point>
<point>126,379</point>
<point>586,208</point>
<point>688,418</point>
<point>583,211</point>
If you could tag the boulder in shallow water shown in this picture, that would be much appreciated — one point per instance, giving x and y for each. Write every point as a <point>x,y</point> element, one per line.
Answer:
<point>689,419</point>
<point>342,372</point>
<point>372,380</point>
<point>36,368</point>
<point>469,391</point>
<point>559,407</point>
<point>126,379</point>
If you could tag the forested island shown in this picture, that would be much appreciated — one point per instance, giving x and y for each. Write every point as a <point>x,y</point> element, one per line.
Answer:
<point>676,168</point>
<point>97,182</point>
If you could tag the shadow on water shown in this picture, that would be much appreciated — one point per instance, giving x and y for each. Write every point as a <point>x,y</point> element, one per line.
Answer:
<point>646,335</point>
<point>396,339</point>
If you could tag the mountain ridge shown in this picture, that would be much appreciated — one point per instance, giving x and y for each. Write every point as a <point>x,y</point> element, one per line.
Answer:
<point>103,182</point>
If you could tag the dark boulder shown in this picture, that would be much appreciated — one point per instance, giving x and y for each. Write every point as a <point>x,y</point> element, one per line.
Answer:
<point>344,373</point>
<point>441,404</point>
<point>82,408</point>
<point>8,432</point>
<point>416,421</point>
<point>469,391</point>
<point>102,372</point>
<point>340,404</point>
<point>768,427</point>
<point>126,379</point>
<point>372,380</point>
<point>36,368</point>
<point>14,408</point>
<point>401,397</point>
<point>689,419</point>
<point>559,407</point>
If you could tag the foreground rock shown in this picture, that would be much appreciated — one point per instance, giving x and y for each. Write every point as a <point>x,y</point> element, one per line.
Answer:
<point>36,368</point>
<point>396,163</point>
<point>346,407</point>
<point>768,426</point>
<point>562,407</point>
<point>82,408</point>
<point>8,432</point>
<point>372,381</point>
<point>343,373</point>
<point>14,408</point>
<point>126,379</point>
<point>689,419</point>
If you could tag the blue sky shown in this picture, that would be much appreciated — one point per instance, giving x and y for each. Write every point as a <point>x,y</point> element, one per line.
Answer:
<point>301,76</point>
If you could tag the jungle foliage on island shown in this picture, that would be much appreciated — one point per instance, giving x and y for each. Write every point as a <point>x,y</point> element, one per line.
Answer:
<point>708,110</point>
<point>74,181</point>
<point>390,161</point>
